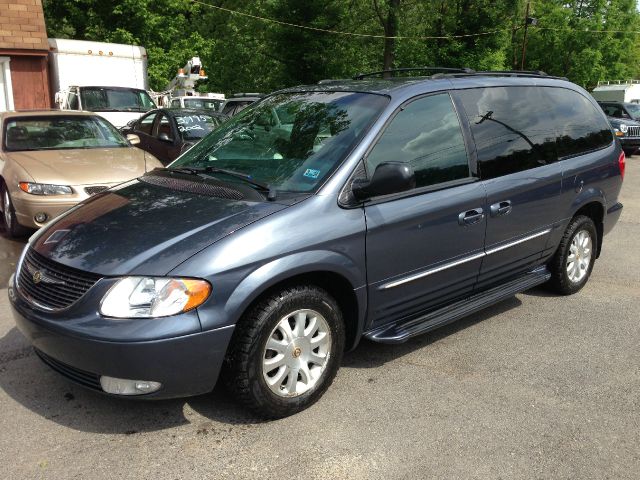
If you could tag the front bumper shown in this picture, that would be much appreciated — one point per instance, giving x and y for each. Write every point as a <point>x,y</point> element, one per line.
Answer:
<point>630,143</point>
<point>185,365</point>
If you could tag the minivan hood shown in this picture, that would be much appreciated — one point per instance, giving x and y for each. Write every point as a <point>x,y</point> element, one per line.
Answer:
<point>143,229</point>
<point>82,166</point>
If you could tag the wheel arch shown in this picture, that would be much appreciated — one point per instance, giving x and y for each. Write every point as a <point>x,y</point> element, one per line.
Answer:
<point>594,209</point>
<point>336,274</point>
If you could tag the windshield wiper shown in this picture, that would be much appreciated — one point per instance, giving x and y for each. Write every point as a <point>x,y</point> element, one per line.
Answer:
<point>271,192</point>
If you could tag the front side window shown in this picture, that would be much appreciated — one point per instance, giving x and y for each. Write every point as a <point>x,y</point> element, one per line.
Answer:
<point>297,158</point>
<point>512,127</point>
<point>145,125</point>
<point>164,126</point>
<point>426,134</point>
<point>60,133</point>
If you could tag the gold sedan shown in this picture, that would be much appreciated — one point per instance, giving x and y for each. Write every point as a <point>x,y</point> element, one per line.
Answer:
<point>51,160</point>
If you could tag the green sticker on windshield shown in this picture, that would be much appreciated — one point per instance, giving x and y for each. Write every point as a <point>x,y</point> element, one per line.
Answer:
<point>311,173</point>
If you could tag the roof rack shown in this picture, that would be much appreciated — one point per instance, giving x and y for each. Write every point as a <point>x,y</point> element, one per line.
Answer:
<point>361,76</point>
<point>515,73</point>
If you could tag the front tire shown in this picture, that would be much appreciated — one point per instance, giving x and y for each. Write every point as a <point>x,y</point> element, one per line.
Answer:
<point>573,262</point>
<point>286,351</point>
<point>9,221</point>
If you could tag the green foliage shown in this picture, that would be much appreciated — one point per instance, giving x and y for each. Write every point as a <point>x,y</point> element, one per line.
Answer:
<point>247,54</point>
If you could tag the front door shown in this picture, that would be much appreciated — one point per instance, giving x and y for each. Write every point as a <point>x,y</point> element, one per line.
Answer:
<point>424,247</point>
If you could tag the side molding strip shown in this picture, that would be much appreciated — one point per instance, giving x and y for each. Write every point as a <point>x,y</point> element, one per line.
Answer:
<point>455,263</point>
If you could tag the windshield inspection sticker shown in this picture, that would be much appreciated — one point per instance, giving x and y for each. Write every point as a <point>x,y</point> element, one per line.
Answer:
<point>311,173</point>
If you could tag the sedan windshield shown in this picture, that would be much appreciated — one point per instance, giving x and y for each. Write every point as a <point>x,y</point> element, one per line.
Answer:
<point>289,141</point>
<point>60,132</point>
<point>105,99</point>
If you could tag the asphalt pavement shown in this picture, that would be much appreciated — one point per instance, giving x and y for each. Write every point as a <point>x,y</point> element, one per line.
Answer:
<point>536,387</point>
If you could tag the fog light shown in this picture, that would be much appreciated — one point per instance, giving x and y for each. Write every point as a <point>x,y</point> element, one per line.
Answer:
<point>41,217</point>
<point>122,386</point>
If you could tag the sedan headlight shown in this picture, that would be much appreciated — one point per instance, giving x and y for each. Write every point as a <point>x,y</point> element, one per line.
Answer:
<point>45,189</point>
<point>151,297</point>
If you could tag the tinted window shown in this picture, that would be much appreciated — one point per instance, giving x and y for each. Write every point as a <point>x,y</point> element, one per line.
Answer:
<point>426,134</point>
<point>580,126</point>
<point>512,128</point>
<point>146,124</point>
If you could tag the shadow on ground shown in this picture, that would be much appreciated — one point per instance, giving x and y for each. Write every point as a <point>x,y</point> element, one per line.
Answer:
<point>29,382</point>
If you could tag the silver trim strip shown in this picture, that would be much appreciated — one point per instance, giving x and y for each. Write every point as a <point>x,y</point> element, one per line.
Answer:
<point>517,242</point>
<point>455,263</point>
<point>432,271</point>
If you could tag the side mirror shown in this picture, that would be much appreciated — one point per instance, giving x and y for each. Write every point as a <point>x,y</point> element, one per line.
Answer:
<point>163,137</point>
<point>133,138</point>
<point>388,178</point>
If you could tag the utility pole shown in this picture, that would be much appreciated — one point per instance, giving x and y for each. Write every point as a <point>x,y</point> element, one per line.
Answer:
<point>524,37</point>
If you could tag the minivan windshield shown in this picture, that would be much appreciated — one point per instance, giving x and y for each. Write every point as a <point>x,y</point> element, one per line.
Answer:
<point>60,132</point>
<point>289,141</point>
<point>106,99</point>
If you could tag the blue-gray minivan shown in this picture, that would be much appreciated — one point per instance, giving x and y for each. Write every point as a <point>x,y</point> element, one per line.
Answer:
<point>376,208</point>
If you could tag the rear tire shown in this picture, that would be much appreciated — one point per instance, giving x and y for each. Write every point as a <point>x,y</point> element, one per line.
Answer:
<point>297,331</point>
<point>11,226</point>
<point>572,263</point>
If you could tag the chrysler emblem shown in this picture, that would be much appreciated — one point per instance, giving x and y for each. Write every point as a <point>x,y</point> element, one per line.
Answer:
<point>37,276</point>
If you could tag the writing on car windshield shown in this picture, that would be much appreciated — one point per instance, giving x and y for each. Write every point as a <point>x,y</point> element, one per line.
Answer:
<point>289,141</point>
<point>193,127</point>
<point>60,132</point>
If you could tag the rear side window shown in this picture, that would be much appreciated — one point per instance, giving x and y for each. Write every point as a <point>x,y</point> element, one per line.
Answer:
<point>512,128</point>
<point>581,128</point>
<point>426,134</point>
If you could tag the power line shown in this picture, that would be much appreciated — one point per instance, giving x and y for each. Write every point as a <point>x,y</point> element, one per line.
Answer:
<point>584,30</point>
<point>351,34</point>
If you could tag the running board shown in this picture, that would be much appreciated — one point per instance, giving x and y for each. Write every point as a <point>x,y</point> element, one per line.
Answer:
<point>403,330</point>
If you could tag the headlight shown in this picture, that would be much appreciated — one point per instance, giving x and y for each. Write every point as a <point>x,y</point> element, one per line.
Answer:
<point>623,128</point>
<point>144,297</point>
<point>45,189</point>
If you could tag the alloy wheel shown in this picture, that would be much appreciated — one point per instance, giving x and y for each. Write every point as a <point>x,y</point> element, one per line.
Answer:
<point>579,258</point>
<point>296,353</point>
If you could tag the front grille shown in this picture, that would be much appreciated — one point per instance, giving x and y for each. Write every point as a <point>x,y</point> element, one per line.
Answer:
<point>95,189</point>
<point>51,285</point>
<point>210,189</point>
<point>87,379</point>
<point>633,131</point>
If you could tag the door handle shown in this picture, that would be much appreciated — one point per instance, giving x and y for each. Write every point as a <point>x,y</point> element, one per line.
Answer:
<point>501,208</point>
<point>470,217</point>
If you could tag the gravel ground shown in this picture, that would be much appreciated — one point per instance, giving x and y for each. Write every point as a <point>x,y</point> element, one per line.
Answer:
<point>538,386</point>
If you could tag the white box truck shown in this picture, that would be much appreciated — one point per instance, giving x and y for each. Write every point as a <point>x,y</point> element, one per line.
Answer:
<point>627,91</point>
<point>107,78</point>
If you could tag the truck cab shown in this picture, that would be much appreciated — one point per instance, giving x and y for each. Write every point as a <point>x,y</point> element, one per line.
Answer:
<point>119,105</point>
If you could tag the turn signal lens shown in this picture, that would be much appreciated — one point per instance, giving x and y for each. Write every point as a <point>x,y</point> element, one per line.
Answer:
<point>622,160</point>
<point>45,189</point>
